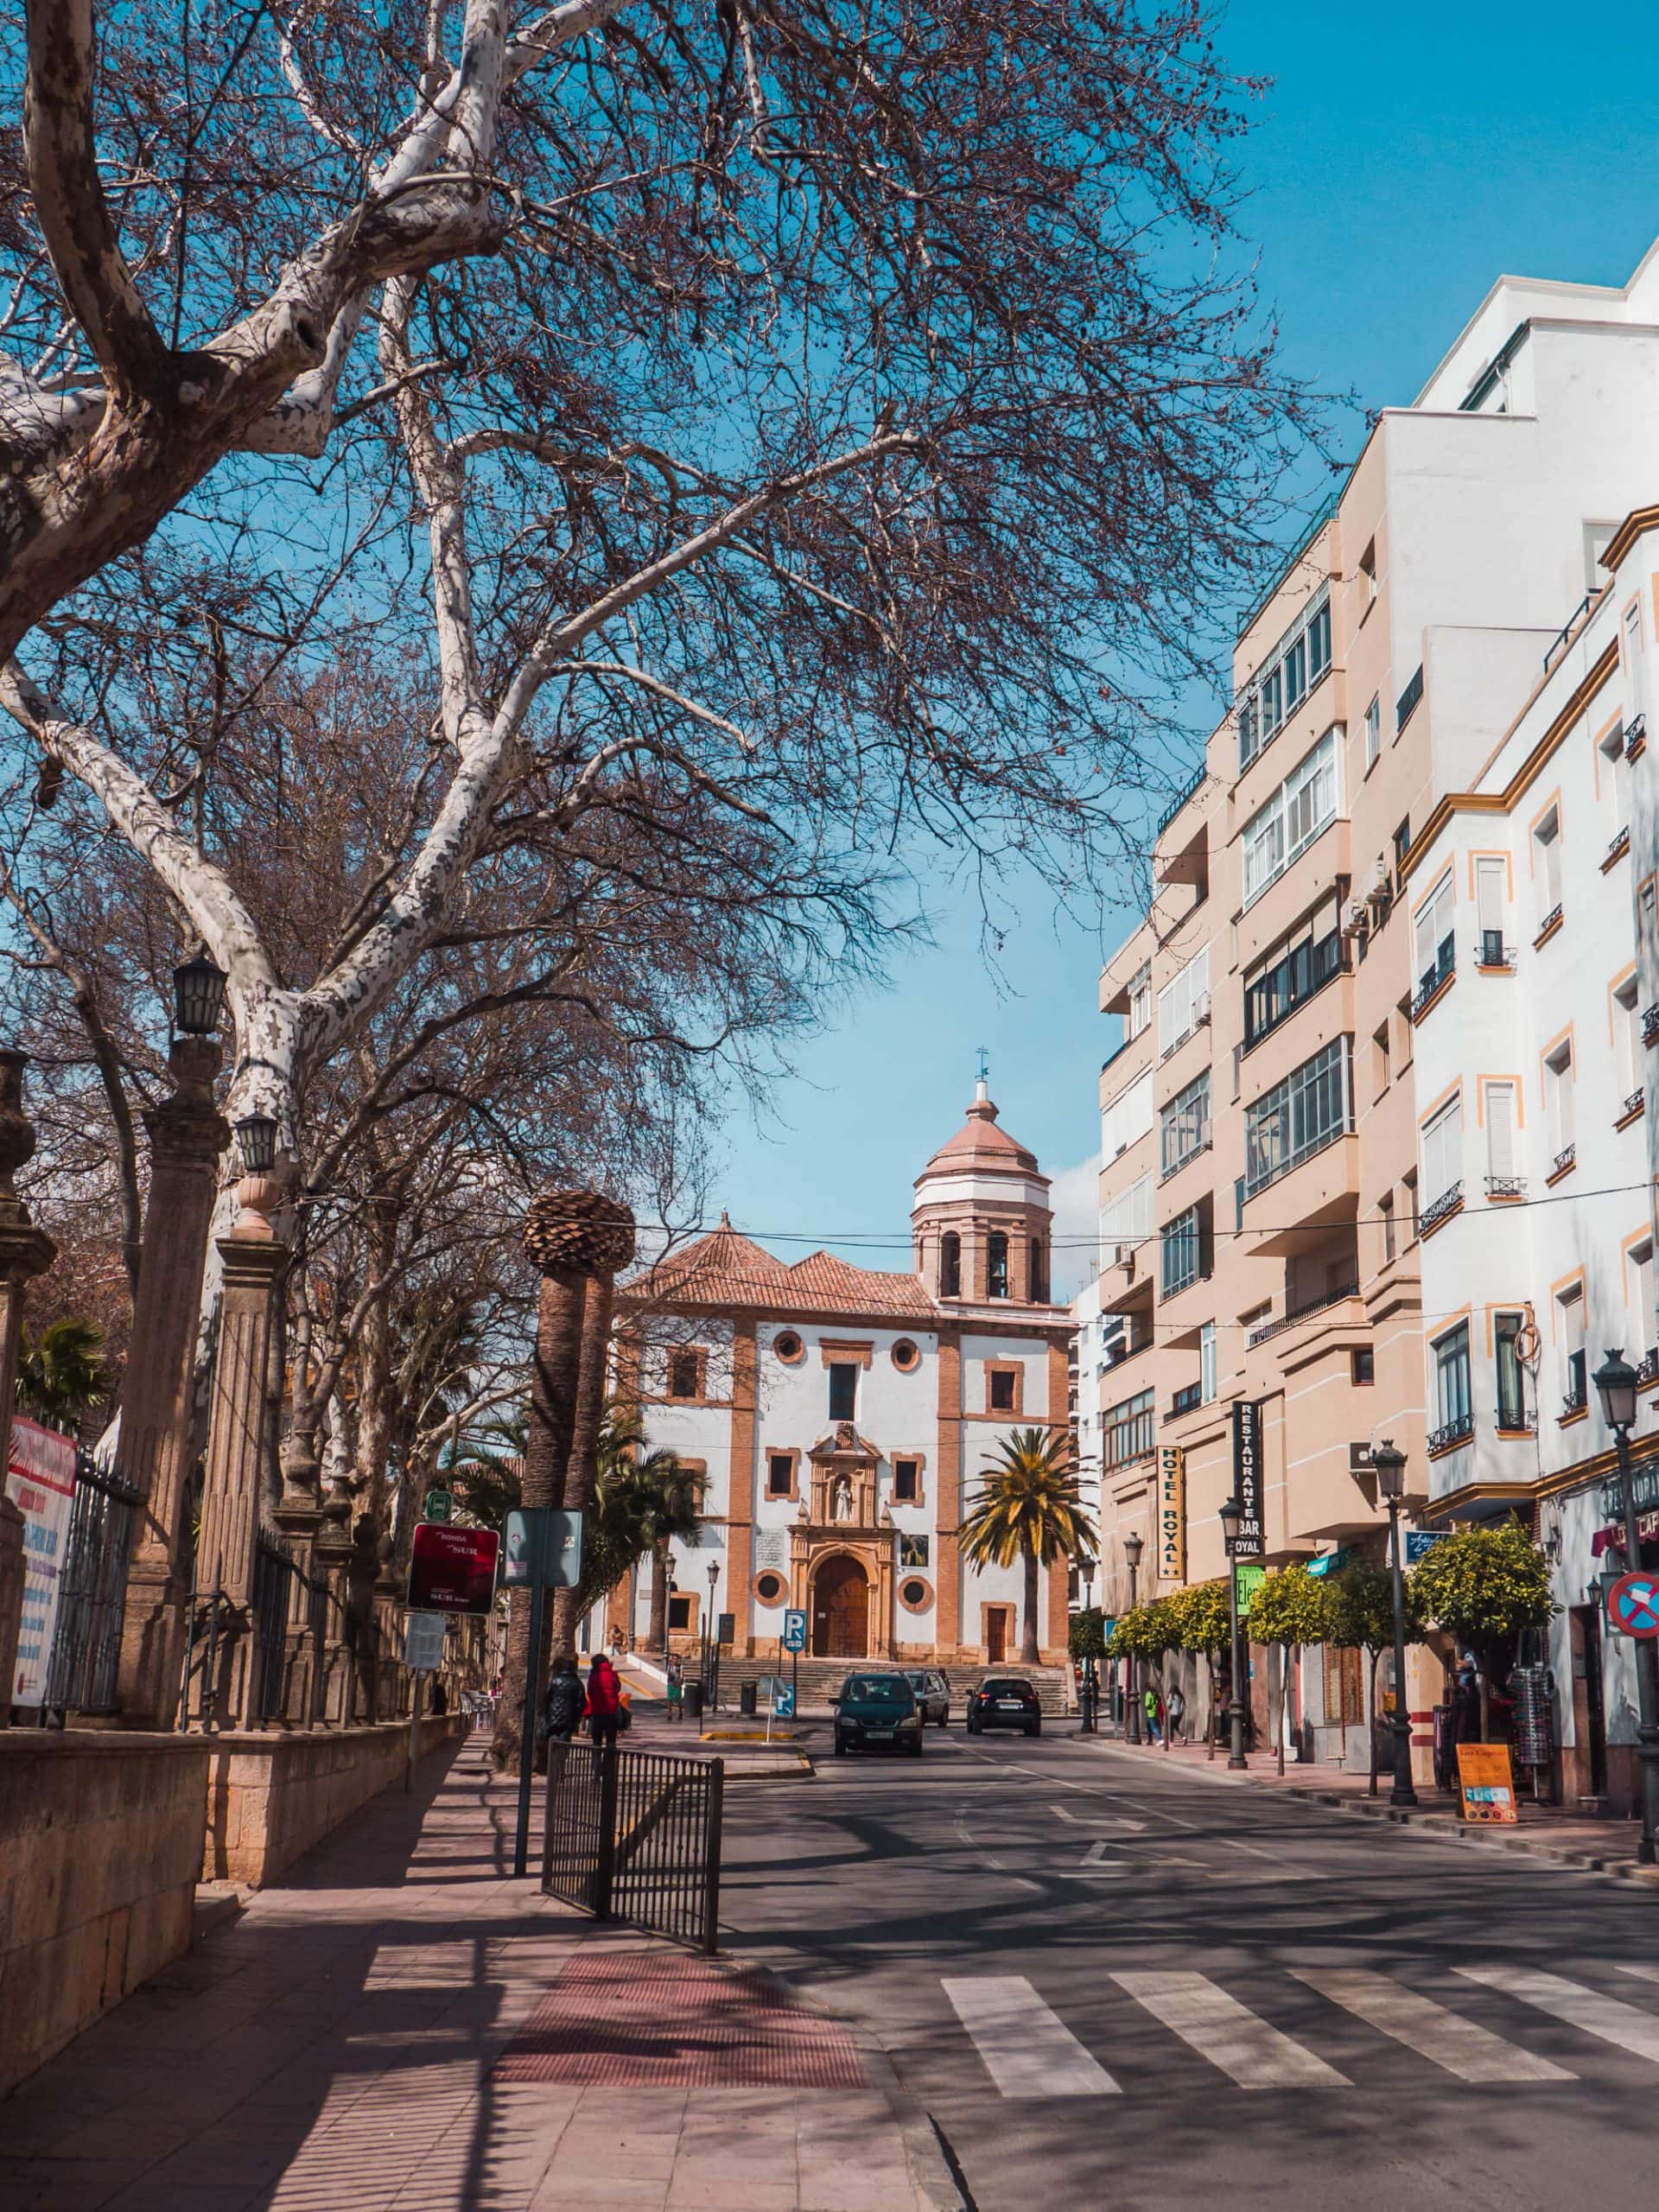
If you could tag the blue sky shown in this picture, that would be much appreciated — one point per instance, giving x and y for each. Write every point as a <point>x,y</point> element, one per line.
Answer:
<point>1403,159</point>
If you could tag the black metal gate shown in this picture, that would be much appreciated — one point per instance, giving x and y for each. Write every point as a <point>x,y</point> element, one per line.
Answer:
<point>635,1836</point>
<point>92,1592</point>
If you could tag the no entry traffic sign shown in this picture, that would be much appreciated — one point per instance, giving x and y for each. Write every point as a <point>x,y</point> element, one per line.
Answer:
<point>1633,1605</point>
<point>452,1570</point>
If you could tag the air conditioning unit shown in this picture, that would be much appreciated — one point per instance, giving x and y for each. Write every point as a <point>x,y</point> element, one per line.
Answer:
<point>1381,890</point>
<point>1357,921</point>
<point>1200,1008</point>
<point>1359,1458</point>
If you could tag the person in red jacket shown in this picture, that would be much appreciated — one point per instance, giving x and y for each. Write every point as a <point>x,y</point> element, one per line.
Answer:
<point>604,1707</point>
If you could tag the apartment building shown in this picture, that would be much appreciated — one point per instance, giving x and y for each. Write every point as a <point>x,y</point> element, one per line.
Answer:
<point>1532,894</point>
<point>1261,1181</point>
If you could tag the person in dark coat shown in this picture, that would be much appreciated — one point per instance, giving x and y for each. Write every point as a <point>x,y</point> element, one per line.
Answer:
<point>562,1702</point>
<point>604,1701</point>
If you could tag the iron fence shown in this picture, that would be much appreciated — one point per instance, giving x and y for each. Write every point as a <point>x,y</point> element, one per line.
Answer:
<point>636,1836</point>
<point>92,1589</point>
<point>273,1572</point>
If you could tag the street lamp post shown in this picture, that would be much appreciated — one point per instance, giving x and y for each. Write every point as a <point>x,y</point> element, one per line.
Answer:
<point>1087,1727</point>
<point>1390,1469</point>
<point>711,1646</point>
<point>1132,1550</point>
<point>1616,1379</point>
<point>1229,1516</point>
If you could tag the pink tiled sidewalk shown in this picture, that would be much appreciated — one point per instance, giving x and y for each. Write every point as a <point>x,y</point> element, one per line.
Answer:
<point>337,2049</point>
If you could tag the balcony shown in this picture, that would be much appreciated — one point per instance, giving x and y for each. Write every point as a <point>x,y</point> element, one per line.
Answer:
<point>1547,927</point>
<point>1563,1164</point>
<point>1434,978</point>
<point>1193,1152</point>
<point>1647,1368</point>
<point>1516,1421</point>
<point>1187,1401</point>
<point>1505,1190</point>
<point>1616,849</point>
<point>1290,983</point>
<point>1575,1402</point>
<point>1407,704</point>
<point>1492,955</point>
<point>1650,1026</point>
<point>1189,790</point>
<point>1633,1108</point>
<point>1636,737</point>
<point>1449,1202</point>
<point>1263,1330</point>
<point>1450,1435</point>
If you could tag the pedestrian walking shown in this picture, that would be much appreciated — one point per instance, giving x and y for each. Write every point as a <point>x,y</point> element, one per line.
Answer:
<point>676,1692</point>
<point>1155,1708</point>
<point>1175,1716</point>
<point>604,1707</point>
<point>562,1702</point>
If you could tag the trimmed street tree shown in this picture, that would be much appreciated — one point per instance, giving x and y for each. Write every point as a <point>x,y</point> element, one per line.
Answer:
<point>1483,1586</point>
<point>1204,1623</point>
<point>1360,1617</point>
<point>1031,1511</point>
<point>1290,1607</point>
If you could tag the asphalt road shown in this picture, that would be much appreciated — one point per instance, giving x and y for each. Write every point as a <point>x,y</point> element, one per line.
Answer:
<point>1127,1989</point>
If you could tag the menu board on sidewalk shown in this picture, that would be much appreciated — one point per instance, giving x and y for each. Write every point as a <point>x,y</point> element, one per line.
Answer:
<point>41,1484</point>
<point>1486,1781</point>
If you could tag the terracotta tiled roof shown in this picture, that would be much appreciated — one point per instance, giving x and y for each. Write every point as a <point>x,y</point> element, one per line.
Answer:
<point>725,1268</point>
<point>980,1143</point>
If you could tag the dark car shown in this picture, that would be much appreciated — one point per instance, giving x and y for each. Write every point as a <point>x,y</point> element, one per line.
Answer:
<point>877,1710</point>
<point>932,1690</point>
<point>1005,1702</point>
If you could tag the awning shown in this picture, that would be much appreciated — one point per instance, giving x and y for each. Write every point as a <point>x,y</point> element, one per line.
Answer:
<point>1606,1538</point>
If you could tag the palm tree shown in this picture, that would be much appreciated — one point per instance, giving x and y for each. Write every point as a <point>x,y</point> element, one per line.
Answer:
<point>1032,1511</point>
<point>59,1374</point>
<point>642,1500</point>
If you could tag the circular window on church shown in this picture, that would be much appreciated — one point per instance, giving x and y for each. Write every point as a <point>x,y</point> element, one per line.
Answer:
<point>769,1588</point>
<point>905,1357</point>
<point>789,1347</point>
<point>915,1595</point>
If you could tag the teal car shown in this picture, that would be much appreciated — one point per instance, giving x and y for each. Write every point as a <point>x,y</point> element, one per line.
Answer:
<point>877,1713</point>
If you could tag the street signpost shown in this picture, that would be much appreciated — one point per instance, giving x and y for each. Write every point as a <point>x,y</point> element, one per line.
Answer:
<point>452,1570</point>
<point>1633,1605</point>
<point>794,1643</point>
<point>423,1654</point>
<point>543,1553</point>
<point>438,1505</point>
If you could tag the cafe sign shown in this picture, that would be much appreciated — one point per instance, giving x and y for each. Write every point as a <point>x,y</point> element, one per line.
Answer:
<point>1646,1478</point>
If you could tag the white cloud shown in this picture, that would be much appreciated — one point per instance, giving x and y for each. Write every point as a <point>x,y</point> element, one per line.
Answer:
<point>1075,1197</point>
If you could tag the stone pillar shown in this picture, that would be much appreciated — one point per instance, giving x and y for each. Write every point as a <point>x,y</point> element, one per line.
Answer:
<point>239,1435</point>
<point>25,1252</point>
<point>186,1137</point>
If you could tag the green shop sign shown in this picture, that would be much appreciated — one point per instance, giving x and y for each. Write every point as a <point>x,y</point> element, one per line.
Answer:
<point>1251,1580</point>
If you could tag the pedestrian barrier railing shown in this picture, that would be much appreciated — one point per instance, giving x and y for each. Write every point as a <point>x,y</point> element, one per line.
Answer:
<point>635,1836</point>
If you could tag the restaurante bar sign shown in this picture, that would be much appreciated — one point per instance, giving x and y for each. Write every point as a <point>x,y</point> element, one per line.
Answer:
<point>1247,1478</point>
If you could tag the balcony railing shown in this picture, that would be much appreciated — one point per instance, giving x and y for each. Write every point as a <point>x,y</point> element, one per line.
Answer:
<point>1448,1201</point>
<point>1563,636</point>
<point>1506,1187</point>
<point>1573,1400</point>
<point>1617,846</point>
<point>1456,1431</point>
<point>1650,1026</point>
<point>1185,1400</point>
<point>1435,976</point>
<point>1550,922</point>
<point>1635,735</point>
<point>1566,1158</point>
<point>1263,1330</point>
<point>1191,791</point>
<point>1406,705</point>
<point>1647,1369</point>
<point>1517,1420</point>
<point>1634,1103</point>
<point>1492,952</point>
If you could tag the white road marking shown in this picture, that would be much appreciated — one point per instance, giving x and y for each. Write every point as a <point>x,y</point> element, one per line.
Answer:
<point>1029,2050</point>
<point>1643,1974</point>
<point>1608,2017</point>
<point>1093,1821</point>
<point>1228,2034</point>
<point>1445,2038</point>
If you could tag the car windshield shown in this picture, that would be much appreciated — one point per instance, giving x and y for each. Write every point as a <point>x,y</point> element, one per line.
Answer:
<point>876,1690</point>
<point>920,1682</point>
<point>1010,1688</point>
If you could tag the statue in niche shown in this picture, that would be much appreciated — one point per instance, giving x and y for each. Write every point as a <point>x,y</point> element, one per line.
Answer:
<point>845,1439</point>
<point>840,1505</point>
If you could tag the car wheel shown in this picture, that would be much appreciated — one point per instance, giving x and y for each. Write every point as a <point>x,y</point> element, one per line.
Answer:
<point>841,1749</point>
<point>945,1718</point>
<point>916,1748</point>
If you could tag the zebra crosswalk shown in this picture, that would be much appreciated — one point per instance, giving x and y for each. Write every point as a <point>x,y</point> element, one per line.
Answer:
<point>1029,2050</point>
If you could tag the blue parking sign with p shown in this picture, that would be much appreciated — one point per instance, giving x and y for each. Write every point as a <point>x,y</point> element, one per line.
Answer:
<point>794,1629</point>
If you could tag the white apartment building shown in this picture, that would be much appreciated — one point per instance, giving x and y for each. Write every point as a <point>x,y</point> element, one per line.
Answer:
<point>1532,897</point>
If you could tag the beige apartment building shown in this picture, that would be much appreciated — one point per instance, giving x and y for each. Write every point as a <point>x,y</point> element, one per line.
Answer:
<point>1260,1160</point>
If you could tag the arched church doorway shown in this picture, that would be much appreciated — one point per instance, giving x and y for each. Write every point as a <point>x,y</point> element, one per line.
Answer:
<point>840,1611</point>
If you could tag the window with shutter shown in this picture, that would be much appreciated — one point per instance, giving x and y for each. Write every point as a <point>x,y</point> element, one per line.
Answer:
<point>1442,1153</point>
<point>1490,885</point>
<point>1500,1132</point>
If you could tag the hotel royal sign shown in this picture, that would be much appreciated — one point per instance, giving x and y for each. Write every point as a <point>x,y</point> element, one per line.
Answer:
<point>1172,1513</point>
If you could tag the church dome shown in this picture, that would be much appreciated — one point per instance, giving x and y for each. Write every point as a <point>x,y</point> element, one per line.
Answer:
<point>979,1145</point>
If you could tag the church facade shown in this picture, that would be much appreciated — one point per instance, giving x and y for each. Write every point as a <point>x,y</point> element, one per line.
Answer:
<point>844,1419</point>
